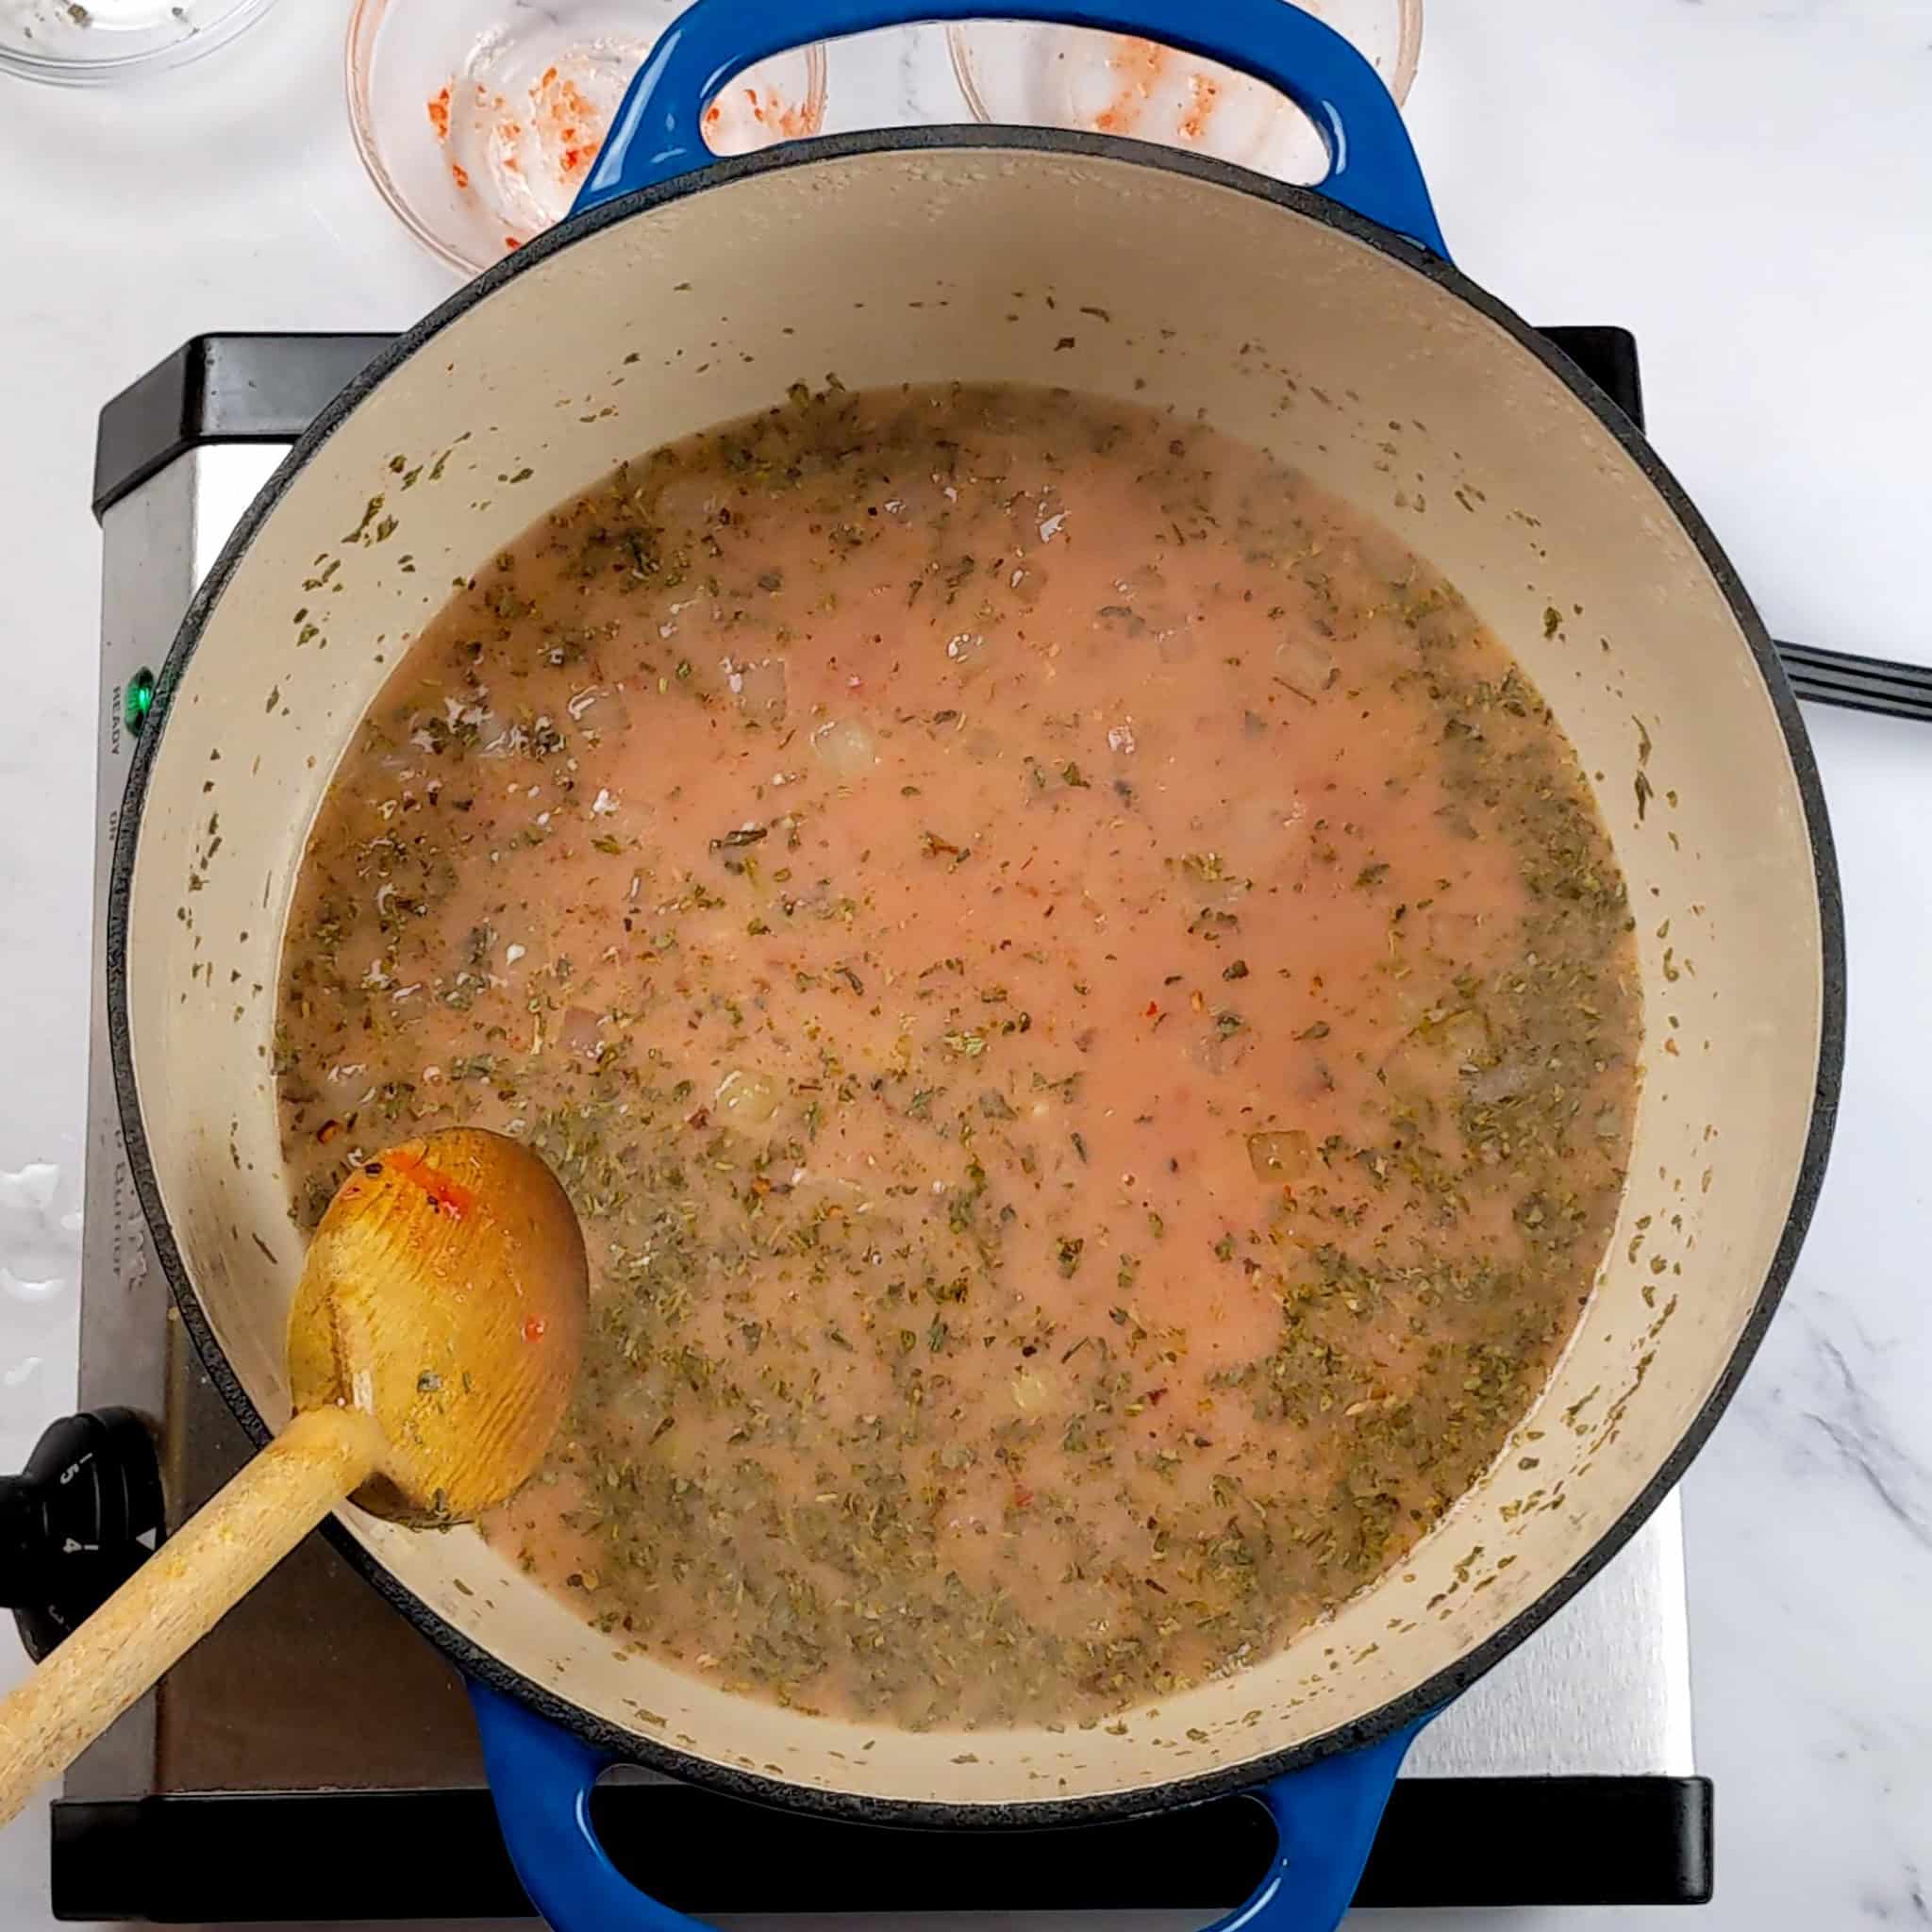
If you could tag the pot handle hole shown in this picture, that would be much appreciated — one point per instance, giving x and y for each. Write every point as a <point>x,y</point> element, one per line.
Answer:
<point>542,1777</point>
<point>657,134</point>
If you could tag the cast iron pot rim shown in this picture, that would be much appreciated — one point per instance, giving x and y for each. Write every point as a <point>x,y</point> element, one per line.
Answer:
<point>634,1747</point>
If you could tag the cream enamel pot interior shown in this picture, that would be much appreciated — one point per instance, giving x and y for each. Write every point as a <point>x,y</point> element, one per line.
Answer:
<point>1354,353</point>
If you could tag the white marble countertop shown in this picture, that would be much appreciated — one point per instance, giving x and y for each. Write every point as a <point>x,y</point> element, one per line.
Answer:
<point>1745,183</point>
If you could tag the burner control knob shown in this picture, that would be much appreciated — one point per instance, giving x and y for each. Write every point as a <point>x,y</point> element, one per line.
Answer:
<point>82,1517</point>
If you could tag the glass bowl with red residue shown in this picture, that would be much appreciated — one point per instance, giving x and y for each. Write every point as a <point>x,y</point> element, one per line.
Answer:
<point>478,119</point>
<point>1107,83</point>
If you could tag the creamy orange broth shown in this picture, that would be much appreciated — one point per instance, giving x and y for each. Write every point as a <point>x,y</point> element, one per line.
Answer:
<point>1081,997</point>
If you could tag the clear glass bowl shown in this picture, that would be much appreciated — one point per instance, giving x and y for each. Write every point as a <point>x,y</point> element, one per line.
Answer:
<point>1059,76</point>
<point>478,119</point>
<point>76,45</point>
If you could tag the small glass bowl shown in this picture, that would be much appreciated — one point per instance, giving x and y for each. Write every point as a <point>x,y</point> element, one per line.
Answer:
<point>1078,77</point>
<point>76,46</point>
<point>478,119</point>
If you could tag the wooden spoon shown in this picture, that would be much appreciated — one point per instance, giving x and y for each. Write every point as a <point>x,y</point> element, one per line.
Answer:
<point>433,1347</point>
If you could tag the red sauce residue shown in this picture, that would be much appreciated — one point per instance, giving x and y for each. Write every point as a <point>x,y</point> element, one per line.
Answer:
<point>445,1195</point>
<point>534,1328</point>
<point>459,173</point>
<point>438,114</point>
<point>562,108</point>
<point>507,134</point>
<point>511,242</point>
<point>1143,63</point>
<point>769,112</point>
<point>1144,73</point>
<point>790,122</point>
<point>1206,94</point>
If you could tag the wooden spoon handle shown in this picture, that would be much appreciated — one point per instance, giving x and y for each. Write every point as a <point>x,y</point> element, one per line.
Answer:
<point>179,1594</point>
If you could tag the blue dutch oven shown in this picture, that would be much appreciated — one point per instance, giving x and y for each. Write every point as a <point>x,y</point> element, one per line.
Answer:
<point>1326,324</point>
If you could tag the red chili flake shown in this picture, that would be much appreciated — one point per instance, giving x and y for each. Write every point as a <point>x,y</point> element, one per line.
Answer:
<point>1152,1010</point>
<point>445,1195</point>
<point>1022,1496</point>
<point>511,242</point>
<point>459,173</point>
<point>533,1328</point>
<point>1156,1397</point>
<point>438,114</point>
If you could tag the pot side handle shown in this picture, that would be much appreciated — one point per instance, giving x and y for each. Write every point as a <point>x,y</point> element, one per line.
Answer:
<point>542,1775</point>
<point>541,1778</point>
<point>1372,169</point>
<point>1325,1819</point>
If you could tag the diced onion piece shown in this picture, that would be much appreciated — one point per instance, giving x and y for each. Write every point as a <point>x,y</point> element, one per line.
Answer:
<point>845,748</point>
<point>1305,663</point>
<point>1283,1156</point>
<point>761,688</point>
<point>581,1032</point>
<point>686,497</point>
<point>748,1099</point>
<point>1462,1032</point>
<point>1027,583</point>
<point>1504,1081</point>
<point>1032,1391</point>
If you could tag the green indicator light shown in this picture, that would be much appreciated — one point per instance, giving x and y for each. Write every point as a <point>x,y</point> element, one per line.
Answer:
<point>138,702</point>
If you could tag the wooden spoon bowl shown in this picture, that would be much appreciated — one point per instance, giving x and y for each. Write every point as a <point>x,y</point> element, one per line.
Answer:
<point>433,1346</point>
<point>445,1295</point>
